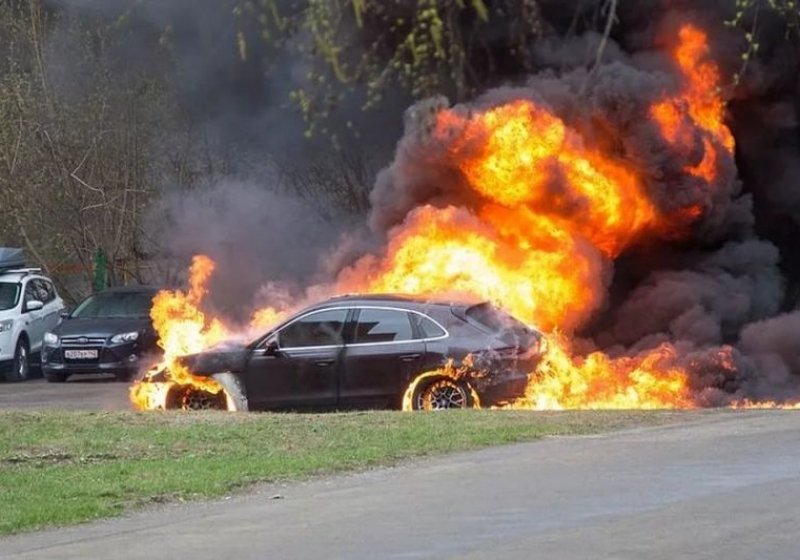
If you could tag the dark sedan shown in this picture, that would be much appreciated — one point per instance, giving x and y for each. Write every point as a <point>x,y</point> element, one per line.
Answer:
<point>374,352</point>
<point>110,332</point>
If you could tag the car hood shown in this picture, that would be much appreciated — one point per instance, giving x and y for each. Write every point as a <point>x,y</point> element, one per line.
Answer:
<point>9,314</point>
<point>105,327</point>
<point>227,357</point>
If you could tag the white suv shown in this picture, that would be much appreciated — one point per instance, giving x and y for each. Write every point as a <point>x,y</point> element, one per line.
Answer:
<point>29,307</point>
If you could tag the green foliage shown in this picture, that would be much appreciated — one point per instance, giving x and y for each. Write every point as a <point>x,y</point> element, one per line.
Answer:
<point>747,17</point>
<point>376,48</point>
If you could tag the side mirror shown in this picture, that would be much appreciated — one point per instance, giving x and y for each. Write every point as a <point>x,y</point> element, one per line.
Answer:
<point>33,305</point>
<point>64,314</point>
<point>271,347</point>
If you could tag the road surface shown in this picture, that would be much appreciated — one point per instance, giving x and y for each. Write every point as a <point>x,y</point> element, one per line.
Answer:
<point>724,486</point>
<point>80,392</point>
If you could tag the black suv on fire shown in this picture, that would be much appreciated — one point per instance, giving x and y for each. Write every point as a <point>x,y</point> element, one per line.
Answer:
<point>109,332</point>
<point>374,351</point>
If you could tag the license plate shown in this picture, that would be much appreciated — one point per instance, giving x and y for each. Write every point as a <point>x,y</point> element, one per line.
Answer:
<point>80,354</point>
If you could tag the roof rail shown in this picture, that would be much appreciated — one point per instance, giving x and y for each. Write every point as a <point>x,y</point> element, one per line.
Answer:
<point>23,271</point>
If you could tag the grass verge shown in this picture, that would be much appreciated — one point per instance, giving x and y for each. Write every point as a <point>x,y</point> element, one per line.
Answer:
<point>59,468</point>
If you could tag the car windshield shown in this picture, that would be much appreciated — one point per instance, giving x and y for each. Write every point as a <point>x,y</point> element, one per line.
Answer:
<point>510,329</point>
<point>9,295</point>
<point>115,304</point>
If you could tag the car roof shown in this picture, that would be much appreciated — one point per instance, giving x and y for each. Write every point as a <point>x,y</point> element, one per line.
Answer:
<point>403,300</point>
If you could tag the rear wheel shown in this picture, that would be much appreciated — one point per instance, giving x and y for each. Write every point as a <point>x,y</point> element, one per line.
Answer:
<point>56,377</point>
<point>189,398</point>
<point>21,366</point>
<point>441,393</point>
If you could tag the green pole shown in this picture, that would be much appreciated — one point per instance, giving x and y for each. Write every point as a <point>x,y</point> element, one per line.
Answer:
<point>99,270</point>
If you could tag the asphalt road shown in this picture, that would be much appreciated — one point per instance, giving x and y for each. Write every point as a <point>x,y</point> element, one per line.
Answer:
<point>80,392</point>
<point>726,486</point>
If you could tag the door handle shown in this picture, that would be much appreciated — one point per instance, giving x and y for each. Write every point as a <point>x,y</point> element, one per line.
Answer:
<point>410,357</point>
<point>324,363</point>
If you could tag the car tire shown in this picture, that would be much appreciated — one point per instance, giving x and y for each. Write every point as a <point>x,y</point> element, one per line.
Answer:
<point>56,377</point>
<point>21,366</point>
<point>191,398</point>
<point>441,393</point>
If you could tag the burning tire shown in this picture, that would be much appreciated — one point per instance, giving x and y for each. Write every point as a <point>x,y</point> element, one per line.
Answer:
<point>441,393</point>
<point>190,398</point>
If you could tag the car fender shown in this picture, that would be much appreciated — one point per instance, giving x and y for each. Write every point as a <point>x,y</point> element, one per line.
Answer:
<point>235,394</point>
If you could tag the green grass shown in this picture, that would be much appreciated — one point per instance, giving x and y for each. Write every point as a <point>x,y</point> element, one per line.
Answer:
<point>58,468</point>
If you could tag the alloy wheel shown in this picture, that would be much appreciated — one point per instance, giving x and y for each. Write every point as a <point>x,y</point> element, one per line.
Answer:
<point>202,400</point>
<point>442,394</point>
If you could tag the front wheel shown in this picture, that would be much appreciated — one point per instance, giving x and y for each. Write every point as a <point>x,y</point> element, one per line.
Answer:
<point>21,366</point>
<point>441,393</point>
<point>191,398</point>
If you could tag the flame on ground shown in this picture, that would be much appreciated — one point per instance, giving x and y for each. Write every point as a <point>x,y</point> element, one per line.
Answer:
<point>597,381</point>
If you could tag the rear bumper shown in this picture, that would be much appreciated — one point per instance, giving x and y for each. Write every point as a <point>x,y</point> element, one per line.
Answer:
<point>502,389</point>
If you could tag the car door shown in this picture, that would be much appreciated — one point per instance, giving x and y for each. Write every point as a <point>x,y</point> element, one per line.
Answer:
<point>51,312</point>
<point>386,352</point>
<point>298,366</point>
<point>34,319</point>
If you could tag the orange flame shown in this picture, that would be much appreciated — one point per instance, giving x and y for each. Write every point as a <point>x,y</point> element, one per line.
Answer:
<point>698,107</point>
<point>597,381</point>
<point>183,329</point>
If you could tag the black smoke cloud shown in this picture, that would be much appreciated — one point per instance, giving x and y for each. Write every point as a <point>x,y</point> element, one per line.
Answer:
<point>252,232</point>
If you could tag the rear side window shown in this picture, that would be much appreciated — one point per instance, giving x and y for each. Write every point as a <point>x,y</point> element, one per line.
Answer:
<point>493,319</point>
<point>323,328</point>
<point>427,327</point>
<point>498,322</point>
<point>382,325</point>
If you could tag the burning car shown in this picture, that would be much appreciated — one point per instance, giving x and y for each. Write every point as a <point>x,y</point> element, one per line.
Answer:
<point>376,351</point>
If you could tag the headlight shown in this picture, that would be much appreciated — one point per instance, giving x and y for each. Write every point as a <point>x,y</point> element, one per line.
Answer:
<point>6,325</point>
<point>50,339</point>
<point>124,337</point>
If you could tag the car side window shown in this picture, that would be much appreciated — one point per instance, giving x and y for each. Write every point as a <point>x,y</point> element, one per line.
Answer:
<point>426,326</point>
<point>382,325</point>
<point>43,291</point>
<point>323,328</point>
<point>31,293</point>
<point>49,290</point>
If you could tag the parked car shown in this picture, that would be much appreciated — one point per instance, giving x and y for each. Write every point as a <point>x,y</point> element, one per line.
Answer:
<point>108,333</point>
<point>366,352</point>
<point>29,306</point>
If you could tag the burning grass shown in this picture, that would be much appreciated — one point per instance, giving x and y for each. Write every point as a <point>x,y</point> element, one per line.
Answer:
<point>69,467</point>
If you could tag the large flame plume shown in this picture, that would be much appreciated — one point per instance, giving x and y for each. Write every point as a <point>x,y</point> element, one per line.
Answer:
<point>549,211</point>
